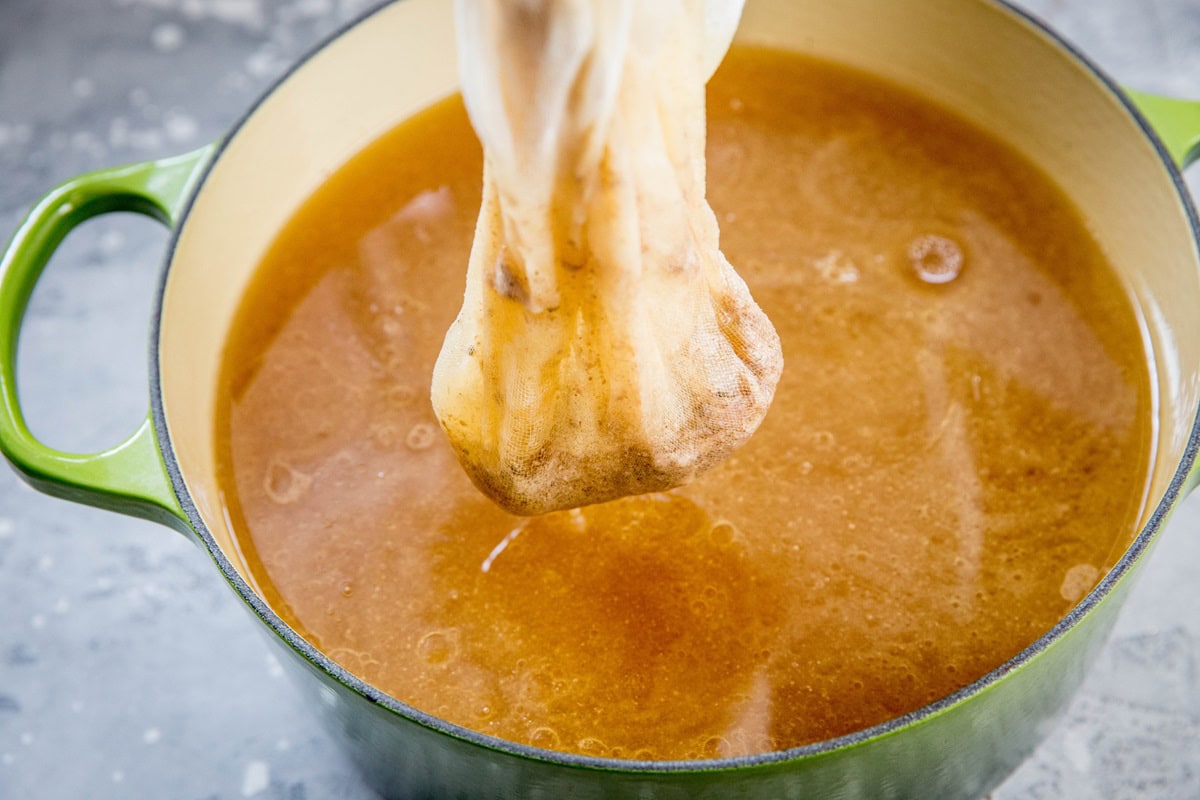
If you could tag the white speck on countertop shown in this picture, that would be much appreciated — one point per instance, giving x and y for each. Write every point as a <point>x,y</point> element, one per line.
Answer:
<point>118,776</point>
<point>7,759</point>
<point>274,668</point>
<point>62,606</point>
<point>246,13</point>
<point>167,37</point>
<point>104,583</point>
<point>83,88</point>
<point>283,745</point>
<point>45,563</point>
<point>37,621</point>
<point>111,241</point>
<point>26,738</point>
<point>121,133</point>
<point>118,132</point>
<point>6,527</point>
<point>151,735</point>
<point>18,133</point>
<point>313,8</point>
<point>256,778</point>
<point>88,142</point>
<point>179,126</point>
<point>264,64</point>
<point>154,591</point>
<point>1075,747</point>
<point>145,139</point>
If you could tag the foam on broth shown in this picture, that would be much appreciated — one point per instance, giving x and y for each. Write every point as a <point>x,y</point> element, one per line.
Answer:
<point>955,454</point>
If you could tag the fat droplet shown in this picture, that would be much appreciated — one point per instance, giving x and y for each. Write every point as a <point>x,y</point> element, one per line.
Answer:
<point>420,437</point>
<point>935,259</point>
<point>1078,581</point>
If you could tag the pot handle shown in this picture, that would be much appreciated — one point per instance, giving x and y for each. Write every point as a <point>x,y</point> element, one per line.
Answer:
<point>129,478</point>
<point>1176,121</point>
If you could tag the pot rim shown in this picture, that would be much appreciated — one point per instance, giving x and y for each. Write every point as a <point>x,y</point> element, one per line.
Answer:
<point>348,680</point>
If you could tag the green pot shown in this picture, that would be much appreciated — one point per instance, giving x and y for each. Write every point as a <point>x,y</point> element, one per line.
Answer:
<point>225,203</point>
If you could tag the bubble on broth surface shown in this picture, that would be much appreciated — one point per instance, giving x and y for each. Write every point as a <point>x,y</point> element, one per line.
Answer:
<point>438,647</point>
<point>420,436</point>
<point>1078,581</point>
<point>716,747</point>
<point>402,396</point>
<point>591,746</point>
<point>546,738</point>
<point>384,434</point>
<point>285,484</point>
<point>935,259</point>
<point>722,533</point>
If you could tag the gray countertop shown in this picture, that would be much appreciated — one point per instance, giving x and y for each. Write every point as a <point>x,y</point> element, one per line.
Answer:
<point>127,668</point>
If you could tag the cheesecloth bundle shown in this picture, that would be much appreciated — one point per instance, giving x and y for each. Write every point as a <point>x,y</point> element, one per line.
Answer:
<point>605,346</point>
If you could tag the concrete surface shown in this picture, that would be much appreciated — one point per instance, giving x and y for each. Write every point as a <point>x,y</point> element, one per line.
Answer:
<point>127,668</point>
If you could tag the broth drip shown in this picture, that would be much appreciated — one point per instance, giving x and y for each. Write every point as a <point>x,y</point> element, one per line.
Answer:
<point>947,467</point>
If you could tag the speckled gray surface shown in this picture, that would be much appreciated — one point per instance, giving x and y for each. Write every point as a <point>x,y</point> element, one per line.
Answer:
<point>127,668</point>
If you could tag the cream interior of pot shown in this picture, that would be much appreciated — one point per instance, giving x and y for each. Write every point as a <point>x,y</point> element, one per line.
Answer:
<point>990,64</point>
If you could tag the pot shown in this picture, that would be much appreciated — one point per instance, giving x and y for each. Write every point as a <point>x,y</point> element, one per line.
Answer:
<point>226,202</point>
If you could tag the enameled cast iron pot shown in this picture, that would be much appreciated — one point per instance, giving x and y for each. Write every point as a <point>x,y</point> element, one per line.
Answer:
<point>226,202</point>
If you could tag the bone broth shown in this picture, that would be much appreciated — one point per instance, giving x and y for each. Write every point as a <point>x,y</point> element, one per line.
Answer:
<point>955,454</point>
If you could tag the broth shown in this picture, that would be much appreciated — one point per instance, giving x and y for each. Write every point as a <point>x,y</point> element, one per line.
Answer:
<point>956,452</point>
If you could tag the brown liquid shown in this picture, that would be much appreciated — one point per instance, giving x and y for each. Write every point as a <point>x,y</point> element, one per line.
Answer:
<point>946,469</point>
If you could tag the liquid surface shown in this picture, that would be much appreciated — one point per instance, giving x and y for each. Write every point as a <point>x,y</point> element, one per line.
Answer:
<point>954,456</point>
